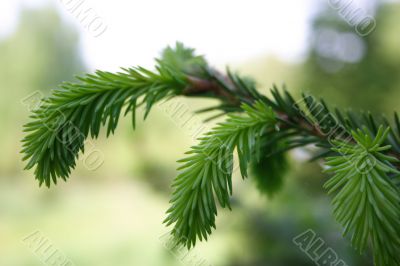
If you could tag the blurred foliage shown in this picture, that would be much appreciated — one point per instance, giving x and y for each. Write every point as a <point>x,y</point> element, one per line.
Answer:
<point>354,71</point>
<point>42,42</point>
<point>269,172</point>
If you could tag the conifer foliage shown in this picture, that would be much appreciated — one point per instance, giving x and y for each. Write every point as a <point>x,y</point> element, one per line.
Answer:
<point>207,171</point>
<point>360,150</point>
<point>367,203</point>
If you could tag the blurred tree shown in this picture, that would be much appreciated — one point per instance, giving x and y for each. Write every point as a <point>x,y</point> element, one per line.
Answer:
<point>351,70</point>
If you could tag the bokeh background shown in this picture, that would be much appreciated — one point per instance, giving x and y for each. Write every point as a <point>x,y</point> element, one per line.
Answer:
<point>113,215</point>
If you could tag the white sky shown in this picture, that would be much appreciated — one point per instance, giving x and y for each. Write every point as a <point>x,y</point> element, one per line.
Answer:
<point>225,31</point>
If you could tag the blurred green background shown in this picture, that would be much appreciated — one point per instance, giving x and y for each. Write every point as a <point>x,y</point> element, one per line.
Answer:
<point>113,215</point>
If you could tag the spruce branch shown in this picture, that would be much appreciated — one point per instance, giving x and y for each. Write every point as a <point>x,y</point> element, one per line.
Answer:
<point>367,203</point>
<point>75,111</point>
<point>208,170</point>
<point>262,129</point>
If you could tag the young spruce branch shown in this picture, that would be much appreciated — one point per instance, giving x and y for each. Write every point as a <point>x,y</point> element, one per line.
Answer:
<point>361,150</point>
